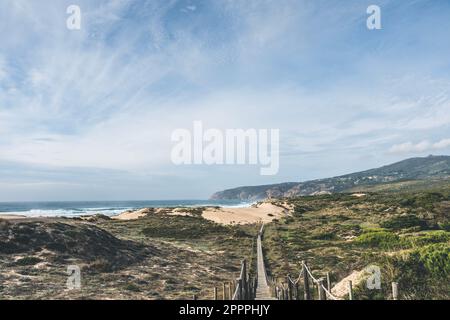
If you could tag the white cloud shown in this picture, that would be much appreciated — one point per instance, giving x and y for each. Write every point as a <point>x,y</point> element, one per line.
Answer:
<point>444,143</point>
<point>109,96</point>
<point>420,147</point>
<point>3,71</point>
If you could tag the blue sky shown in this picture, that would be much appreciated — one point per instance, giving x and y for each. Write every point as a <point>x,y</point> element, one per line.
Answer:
<point>88,114</point>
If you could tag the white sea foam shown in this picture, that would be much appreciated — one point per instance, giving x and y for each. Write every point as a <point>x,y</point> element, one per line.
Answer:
<point>76,209</point>
<point>35,213</point>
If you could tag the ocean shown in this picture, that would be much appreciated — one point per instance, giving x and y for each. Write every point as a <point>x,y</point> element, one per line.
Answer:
<point>109,208</point>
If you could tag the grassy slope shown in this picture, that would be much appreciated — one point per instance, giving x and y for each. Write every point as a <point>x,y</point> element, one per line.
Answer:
<point>188,255</point>
<point>403,233</point>
<point>404,186</point>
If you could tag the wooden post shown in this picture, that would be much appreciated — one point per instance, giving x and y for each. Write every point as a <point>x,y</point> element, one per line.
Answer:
<point>297,292</point>
<point>230,291</point>
<point>215,293</point>
<point>394,290</point>
<point>194,297</point>
<point>321,291</point>
<point>350,291</point>
<point>289,288</point>
<point>275,288</point>
<point>241,290</point>
<point>224,292</point>
<point>328,282</point>
<point>307,294</point>
<point>244,280</point>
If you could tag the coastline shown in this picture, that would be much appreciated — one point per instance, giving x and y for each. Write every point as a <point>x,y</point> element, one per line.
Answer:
<point>74,209</point>
<point>261,212</point>
<point>248,213</point>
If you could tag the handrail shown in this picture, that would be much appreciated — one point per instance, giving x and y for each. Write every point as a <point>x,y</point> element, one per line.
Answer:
<point>319,283</point>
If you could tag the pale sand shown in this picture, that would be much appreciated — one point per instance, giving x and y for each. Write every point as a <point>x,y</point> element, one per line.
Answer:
<point>264,212</point>
<point>11,217</point>
<point>133,215</point>
<point>261,212</point>
<point>340,290</point>
<point>359,195</point>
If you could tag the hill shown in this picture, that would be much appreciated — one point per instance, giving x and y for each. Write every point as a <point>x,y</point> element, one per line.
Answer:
<point>430,168</point>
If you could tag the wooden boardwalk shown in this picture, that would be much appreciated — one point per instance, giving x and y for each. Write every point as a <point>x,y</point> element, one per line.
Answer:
<point>263,291</point>
<point>248,288</point>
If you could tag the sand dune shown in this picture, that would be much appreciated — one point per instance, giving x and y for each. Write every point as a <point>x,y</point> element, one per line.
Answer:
<point>263,212</point>
<point>133,215</point>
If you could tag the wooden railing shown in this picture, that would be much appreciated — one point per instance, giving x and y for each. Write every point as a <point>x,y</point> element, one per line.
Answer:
<point>305,287</point>
<point>308,287</point>
<point>245,286</point>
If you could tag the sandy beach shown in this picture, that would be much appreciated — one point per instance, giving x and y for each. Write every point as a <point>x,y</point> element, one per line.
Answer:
<point>11,217</point>
<point>261,212</point>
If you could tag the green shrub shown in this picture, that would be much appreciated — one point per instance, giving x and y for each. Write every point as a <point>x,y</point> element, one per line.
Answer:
<point>4,224</point>
<point>436,259</point>
<point>132,287</point>
<point>380,239</point>
<point>428,238</point>
<point>424,200</point>
<point>374,229</point>
<point>299,210</point>
<point>444,226</point>
<point>177,227</point>
<point>100,265</point>
<point>324,236</point>
<point>28,261</point>
<point>404,222</point>
<point>288,220</point>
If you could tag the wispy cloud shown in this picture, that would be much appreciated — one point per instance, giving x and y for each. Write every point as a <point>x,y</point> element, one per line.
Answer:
<point>107,97</point>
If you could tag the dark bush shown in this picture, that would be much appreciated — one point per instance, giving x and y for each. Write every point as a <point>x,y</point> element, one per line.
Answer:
<point>28,261</point>
<point>404,222</point>
<point>299,210</point>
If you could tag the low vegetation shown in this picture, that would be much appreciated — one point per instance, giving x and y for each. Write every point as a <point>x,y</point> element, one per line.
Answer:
<point>157,257</point>
<point>164,256</point>
<point>405,234</point>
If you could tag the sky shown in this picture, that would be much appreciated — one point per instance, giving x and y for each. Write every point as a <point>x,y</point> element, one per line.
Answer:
<point>88,114</point>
